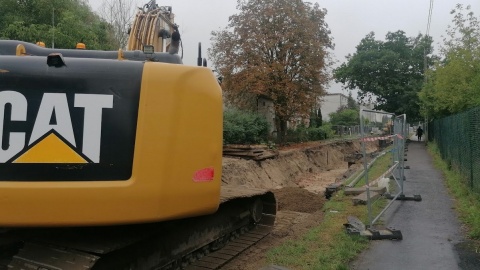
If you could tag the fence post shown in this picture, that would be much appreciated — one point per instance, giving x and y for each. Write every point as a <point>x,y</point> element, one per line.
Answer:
<point>365,168</point>
<point>470,145</point>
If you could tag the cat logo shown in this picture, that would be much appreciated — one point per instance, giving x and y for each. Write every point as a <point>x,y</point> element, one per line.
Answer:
<point>51,138</point>
<point>68,124</point>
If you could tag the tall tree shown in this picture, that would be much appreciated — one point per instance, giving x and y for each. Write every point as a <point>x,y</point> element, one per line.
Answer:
<point>62,22</point>
<point>316,118</point>
<point>454,84</point>
<point>276,49</point>
<point>351,103</point>
<point>119,14</point>
<point>388,73</point>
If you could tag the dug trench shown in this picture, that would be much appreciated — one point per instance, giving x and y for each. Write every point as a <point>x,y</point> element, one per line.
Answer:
<point>298,177</point>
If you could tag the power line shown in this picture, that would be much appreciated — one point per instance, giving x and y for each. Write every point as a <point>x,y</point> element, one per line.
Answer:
<point>429,21</point>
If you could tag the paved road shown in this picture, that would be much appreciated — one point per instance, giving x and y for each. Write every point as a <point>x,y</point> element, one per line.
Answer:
<point>430,228</point>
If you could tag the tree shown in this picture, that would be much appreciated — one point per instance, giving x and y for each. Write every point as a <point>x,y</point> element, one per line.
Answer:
<point>453,85</point>
<point>389,73</point>
<point>316,118</point>
<point>351,103</point>
<point>119,14</point>
<point>73,22</point>
<point>320,118</point>
<point>345,117</point>
<point>276,49</point>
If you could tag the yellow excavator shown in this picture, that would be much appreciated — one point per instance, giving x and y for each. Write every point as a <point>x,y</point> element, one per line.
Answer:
<point>113,159</point>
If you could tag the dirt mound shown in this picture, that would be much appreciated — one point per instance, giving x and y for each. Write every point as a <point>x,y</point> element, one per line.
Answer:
<point>298,200</point>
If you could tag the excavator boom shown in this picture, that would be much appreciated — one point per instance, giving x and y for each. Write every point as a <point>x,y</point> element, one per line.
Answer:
<point>154,25</point>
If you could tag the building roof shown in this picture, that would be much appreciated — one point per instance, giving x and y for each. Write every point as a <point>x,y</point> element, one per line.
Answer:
<point>336,94</point>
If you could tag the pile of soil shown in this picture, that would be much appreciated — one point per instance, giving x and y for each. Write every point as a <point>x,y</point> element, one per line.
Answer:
<point>298,200</point>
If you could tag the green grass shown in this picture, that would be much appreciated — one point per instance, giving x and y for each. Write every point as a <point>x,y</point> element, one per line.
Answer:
<point>467,202</point>
<point>380,166</point>
<point>328,246</point>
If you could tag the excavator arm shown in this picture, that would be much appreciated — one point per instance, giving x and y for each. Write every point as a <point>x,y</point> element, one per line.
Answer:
<point>154,25</point>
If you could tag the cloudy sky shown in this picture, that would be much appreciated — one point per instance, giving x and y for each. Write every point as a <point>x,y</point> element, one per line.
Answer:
<point>349,21</point>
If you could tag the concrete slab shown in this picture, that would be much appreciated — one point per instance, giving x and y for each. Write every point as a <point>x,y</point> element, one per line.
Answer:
<point>362,198</point>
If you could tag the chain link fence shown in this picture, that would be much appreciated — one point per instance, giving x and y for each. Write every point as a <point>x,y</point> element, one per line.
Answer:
<point>458,139</point>
<point>346,130</point>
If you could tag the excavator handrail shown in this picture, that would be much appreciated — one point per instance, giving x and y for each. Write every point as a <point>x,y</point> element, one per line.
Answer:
<point>9,47</point>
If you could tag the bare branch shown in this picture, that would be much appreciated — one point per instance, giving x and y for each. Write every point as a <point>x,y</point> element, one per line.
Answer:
<point>119,14</point>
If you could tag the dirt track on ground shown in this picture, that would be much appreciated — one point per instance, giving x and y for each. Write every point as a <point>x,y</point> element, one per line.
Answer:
<point>298,177</point>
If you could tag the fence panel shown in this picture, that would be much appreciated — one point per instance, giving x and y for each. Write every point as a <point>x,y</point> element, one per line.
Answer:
<point>397,129</point>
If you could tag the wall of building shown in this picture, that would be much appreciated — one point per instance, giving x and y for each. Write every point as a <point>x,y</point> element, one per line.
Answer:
<point>265,107</point>
<point>372,117</point>
<point>330,103</point>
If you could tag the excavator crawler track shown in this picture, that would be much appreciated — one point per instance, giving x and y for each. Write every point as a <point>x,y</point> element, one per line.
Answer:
<point>244,217</point>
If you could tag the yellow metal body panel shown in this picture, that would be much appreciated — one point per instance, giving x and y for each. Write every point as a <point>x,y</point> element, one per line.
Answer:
<point>179,133</point>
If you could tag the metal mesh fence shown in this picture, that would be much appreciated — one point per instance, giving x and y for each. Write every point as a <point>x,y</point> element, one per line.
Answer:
<point>370,128</point>
<point>346,130</point>
<point>391,128</point>
<point>458,139</point>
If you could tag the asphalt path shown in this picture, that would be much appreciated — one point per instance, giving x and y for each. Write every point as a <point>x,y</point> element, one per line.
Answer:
<point>432,236</point>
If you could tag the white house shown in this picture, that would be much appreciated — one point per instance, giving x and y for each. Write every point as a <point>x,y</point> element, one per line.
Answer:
<point>331,103</point>
<point>372,116</point>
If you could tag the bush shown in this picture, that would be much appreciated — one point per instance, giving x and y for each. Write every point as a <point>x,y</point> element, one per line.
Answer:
<point>316,134</point>
<point>303,134</point>
<point>244,128</point>
<point>299,134</point>
<point>327,130</point>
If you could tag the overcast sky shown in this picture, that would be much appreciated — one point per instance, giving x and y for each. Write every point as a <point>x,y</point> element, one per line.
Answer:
<point>349,21</point>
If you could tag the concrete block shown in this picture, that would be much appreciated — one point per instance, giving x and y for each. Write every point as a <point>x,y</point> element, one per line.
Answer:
<point>362,198</point>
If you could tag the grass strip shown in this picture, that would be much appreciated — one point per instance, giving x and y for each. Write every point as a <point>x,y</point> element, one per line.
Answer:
<point>467,202</point>
<point>380,166</point>
<point>326,246</point>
